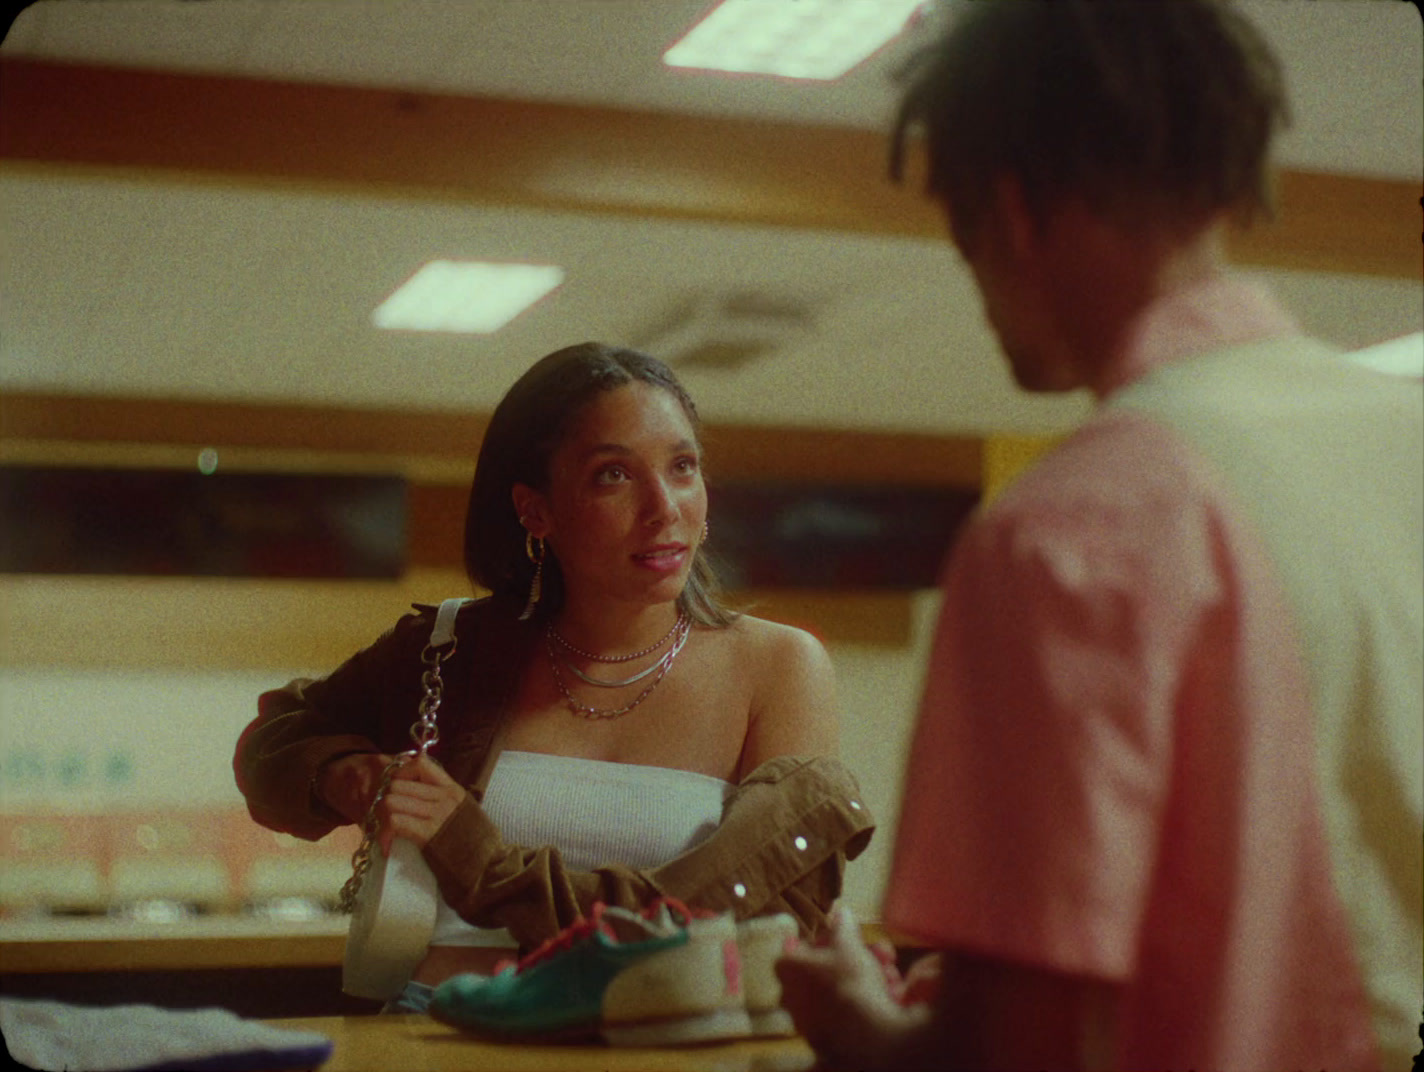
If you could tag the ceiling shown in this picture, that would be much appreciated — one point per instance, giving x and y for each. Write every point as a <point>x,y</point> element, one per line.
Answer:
<point>159,286</point>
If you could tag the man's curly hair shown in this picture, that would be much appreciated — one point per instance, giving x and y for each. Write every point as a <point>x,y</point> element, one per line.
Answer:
<point>1159,110</point>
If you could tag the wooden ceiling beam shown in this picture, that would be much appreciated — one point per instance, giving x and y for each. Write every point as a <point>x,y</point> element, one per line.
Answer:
<point>516,152</point>
<point>560,157</point>
<point>100,429</point>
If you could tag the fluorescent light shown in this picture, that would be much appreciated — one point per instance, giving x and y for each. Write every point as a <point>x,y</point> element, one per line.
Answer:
<point>814,39</point>
<point>1401,357</point>
<point>475,297</point>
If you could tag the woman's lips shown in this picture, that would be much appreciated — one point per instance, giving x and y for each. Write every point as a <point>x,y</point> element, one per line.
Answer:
<point>665,558</point>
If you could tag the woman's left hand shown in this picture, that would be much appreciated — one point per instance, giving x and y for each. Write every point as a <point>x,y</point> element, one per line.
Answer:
<point>420,798</point>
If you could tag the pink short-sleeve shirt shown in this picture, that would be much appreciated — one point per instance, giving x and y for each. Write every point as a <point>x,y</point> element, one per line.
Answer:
<point>1113,774</point>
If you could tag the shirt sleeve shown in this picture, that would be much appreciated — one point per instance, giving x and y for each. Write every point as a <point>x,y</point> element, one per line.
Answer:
<point>782,846</point>
<point>307,723</point>
<point>1041,760</point>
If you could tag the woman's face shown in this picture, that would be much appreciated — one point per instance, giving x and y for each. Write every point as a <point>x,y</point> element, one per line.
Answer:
<point>626,504</point>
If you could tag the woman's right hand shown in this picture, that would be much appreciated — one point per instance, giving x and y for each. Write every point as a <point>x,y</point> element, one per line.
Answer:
<point>348,783</point>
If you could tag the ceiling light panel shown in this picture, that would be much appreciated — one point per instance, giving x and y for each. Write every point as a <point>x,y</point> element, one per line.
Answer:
<point>811,39</point>
<point>473,297</point>
<point>1403,356</point>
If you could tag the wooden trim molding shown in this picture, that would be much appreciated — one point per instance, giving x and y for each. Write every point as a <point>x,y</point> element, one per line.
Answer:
<point>134,624</point>
<point>562,157</point>
<point>74,429</point>
<point>217,944</point>
<point>1339,223</point>
<point>64,418</point>
<point>259,624</point>
<point>553,156</point>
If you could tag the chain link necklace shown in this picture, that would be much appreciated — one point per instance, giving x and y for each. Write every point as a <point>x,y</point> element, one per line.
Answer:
<point>679,633</point>
<point>553,634</point>
<point>623,684</point>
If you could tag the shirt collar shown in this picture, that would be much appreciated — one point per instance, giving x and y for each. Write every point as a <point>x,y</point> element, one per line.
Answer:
<point>1221,311</point>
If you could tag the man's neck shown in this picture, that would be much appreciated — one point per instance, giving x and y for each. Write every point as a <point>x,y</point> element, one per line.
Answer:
<point>1133,272</point>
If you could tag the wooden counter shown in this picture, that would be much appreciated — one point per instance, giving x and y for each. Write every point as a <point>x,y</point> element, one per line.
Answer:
<point>255,967</point>
<point>97,945</point>
<point>419,1044</point>
<point>259,968</point>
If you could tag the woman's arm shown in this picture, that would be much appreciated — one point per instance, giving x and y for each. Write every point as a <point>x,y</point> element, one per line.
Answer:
<point>785,836</point>
<point>304,729</point>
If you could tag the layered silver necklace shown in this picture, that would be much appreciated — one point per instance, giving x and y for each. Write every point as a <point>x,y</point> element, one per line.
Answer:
<point>677,635</point>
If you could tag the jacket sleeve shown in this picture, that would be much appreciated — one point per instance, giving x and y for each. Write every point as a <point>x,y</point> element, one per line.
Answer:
<point>782,845</point>
<point>307,723</point>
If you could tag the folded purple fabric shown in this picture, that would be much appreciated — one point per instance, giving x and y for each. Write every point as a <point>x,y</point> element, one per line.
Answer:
<point>51,1036</point>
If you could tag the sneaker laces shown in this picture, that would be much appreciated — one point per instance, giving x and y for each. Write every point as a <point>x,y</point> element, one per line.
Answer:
<point>567,938</point>
<point>657,919</point>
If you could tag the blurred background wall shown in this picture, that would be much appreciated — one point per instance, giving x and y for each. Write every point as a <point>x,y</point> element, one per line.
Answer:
<point>202,204</point>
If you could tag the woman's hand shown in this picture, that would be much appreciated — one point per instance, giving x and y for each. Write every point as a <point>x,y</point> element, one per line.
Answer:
<point>421,797</point>
<point>347,784</point>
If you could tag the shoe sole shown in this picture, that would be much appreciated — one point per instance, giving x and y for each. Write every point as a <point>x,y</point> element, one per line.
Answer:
<point>716,1026</point>
<point>760,942</point>
<point>772,1023</point>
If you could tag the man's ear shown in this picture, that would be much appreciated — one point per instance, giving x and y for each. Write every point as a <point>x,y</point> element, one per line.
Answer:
<point>531,508</point>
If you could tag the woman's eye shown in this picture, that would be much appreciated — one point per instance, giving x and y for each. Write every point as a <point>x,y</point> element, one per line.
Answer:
<point>685,466</point>
<point>611,474</point>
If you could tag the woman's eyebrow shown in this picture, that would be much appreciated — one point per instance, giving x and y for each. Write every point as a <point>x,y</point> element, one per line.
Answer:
<point>593,450</point>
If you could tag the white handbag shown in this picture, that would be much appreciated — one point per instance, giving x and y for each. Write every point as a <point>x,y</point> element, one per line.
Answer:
<point>393,900</point>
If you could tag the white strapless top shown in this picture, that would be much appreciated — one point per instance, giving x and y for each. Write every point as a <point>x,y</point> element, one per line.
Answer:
<point>594,812</point>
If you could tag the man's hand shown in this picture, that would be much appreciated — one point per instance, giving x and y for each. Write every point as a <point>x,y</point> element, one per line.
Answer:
<point>921,982</point>
<point>839,995</point>
<point>421,797</point>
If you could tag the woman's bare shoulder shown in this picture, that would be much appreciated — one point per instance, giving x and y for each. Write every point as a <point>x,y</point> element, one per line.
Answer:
<point>793,691</point>
<point>774,646</point>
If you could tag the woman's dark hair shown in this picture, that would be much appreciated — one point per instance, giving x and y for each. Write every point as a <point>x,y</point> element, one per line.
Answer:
<point>1159,110</point>
<point>525,430</point>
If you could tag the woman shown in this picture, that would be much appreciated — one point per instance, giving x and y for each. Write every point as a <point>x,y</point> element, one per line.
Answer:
<point>634,714</point>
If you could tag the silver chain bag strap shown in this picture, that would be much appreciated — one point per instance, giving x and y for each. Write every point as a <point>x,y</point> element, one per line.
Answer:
<point>393,899</point>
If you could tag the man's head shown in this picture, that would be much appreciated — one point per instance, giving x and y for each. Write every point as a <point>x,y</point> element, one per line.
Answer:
<point>1150,112</point>
<point>1085,152</point>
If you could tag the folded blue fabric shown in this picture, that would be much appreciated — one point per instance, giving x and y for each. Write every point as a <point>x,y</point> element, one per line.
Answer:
<point>52,1036</point>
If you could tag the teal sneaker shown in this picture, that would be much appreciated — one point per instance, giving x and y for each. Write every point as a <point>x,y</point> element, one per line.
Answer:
<point>657,978</point>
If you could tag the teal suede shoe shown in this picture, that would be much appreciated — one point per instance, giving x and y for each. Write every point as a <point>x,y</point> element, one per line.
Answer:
<point>656,978</point>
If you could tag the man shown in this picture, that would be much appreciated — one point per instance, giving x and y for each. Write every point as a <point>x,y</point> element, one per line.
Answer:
<point>1163,806</point>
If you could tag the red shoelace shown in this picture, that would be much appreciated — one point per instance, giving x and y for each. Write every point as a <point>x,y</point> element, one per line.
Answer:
<point>584,927</point>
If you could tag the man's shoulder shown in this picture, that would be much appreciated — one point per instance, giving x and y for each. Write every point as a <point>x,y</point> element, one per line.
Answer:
<point>1114,461</point>
<point>1115,500</point>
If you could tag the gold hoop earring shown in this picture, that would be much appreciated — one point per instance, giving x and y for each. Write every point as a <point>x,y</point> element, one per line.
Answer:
<point>536,585</point>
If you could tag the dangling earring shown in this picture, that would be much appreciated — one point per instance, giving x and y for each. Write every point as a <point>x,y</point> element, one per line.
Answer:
<point>536,586</point>
<point>705,532</point>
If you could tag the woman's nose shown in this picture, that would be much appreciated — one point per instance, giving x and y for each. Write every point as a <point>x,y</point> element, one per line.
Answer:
<point>661,503</point>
